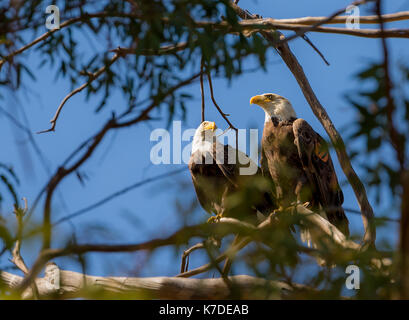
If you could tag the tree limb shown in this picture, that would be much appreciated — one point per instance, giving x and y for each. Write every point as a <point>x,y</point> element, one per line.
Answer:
<point>68,284</point>
<point>391,17</point>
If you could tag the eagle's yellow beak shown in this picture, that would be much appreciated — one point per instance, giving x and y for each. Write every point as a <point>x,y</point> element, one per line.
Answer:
<point>210,126</point>
<point>257,100</point>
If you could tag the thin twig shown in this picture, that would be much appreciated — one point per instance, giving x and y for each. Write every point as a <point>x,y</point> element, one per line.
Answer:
<point>219,259</point>
<point>306,39</point>
<point>91,78</point>
<point>17,258</point>
<point>202,89</point>
<point>302,32</point>
<point>232,250</point>
<point>116,194</point>
<point>224,115</point>
<point>184,266</point>
<point>168,49</point>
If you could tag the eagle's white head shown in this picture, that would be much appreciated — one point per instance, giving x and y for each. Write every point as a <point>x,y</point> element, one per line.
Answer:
<point>204,136</point>
<point>275,106</point>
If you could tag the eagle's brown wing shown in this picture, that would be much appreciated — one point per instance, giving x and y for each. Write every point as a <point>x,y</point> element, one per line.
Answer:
<point>264,204</point>
<point>198,171</point>
<point>229,170</point>
<point>317,164</point>
<point>265,171</point>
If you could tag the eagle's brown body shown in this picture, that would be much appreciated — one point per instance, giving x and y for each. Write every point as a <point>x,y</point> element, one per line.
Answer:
<point>298,161</point>
<point>217,182</point>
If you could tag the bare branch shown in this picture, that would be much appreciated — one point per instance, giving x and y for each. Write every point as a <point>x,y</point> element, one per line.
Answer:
<point>268,24</point>
<point>324,21</point>
<point>68,284</point>
<point>391,17</point>
<point>224,115</point>
<point>116,194</point>
<point>202,88</point>
<point>186,254</point>
<point>168,49</point>
<point>91,78</point>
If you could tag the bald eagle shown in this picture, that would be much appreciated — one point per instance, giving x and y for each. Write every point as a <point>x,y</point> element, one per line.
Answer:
<point>222,183</point>
<point>298,161</point>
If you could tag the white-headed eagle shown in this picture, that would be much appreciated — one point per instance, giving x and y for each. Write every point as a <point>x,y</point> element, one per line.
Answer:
<point>298,160</point>
<point>227,183</point>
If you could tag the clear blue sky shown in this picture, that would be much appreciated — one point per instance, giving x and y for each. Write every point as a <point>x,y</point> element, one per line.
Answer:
<point>123,158</point>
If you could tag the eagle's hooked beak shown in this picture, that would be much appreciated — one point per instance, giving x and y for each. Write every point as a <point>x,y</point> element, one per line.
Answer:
<point>257,100</point>
<point>210,126</point>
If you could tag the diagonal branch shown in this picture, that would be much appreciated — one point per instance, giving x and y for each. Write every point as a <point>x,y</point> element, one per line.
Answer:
<point>65,24</point>
<point>91,78</point>
<point>117,194</point>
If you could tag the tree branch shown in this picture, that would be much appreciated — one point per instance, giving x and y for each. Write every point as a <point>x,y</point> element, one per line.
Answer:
<point>268,24</point>
<point>68,284</point>
<point>391,17</point>
<point>91,78</point>
<point>224,227</point>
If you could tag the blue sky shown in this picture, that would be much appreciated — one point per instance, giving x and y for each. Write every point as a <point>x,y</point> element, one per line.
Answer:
<point>123,158</point>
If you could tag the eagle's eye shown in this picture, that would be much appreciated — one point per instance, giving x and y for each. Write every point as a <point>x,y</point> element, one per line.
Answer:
<point>269,96</point>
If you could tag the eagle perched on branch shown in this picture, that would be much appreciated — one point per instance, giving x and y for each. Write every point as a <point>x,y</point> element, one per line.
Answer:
<point>298,161</point>
<point>227,182</point>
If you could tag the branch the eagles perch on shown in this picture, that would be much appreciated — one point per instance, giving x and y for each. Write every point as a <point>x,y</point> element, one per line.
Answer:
<point>145,65</point>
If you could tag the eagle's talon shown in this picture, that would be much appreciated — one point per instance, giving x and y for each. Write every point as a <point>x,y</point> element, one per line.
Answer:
<point>279,209</point>
<point>215,219</point>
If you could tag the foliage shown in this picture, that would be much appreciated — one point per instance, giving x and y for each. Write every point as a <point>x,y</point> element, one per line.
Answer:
<point>370,104</point>
<point>147,26</point>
